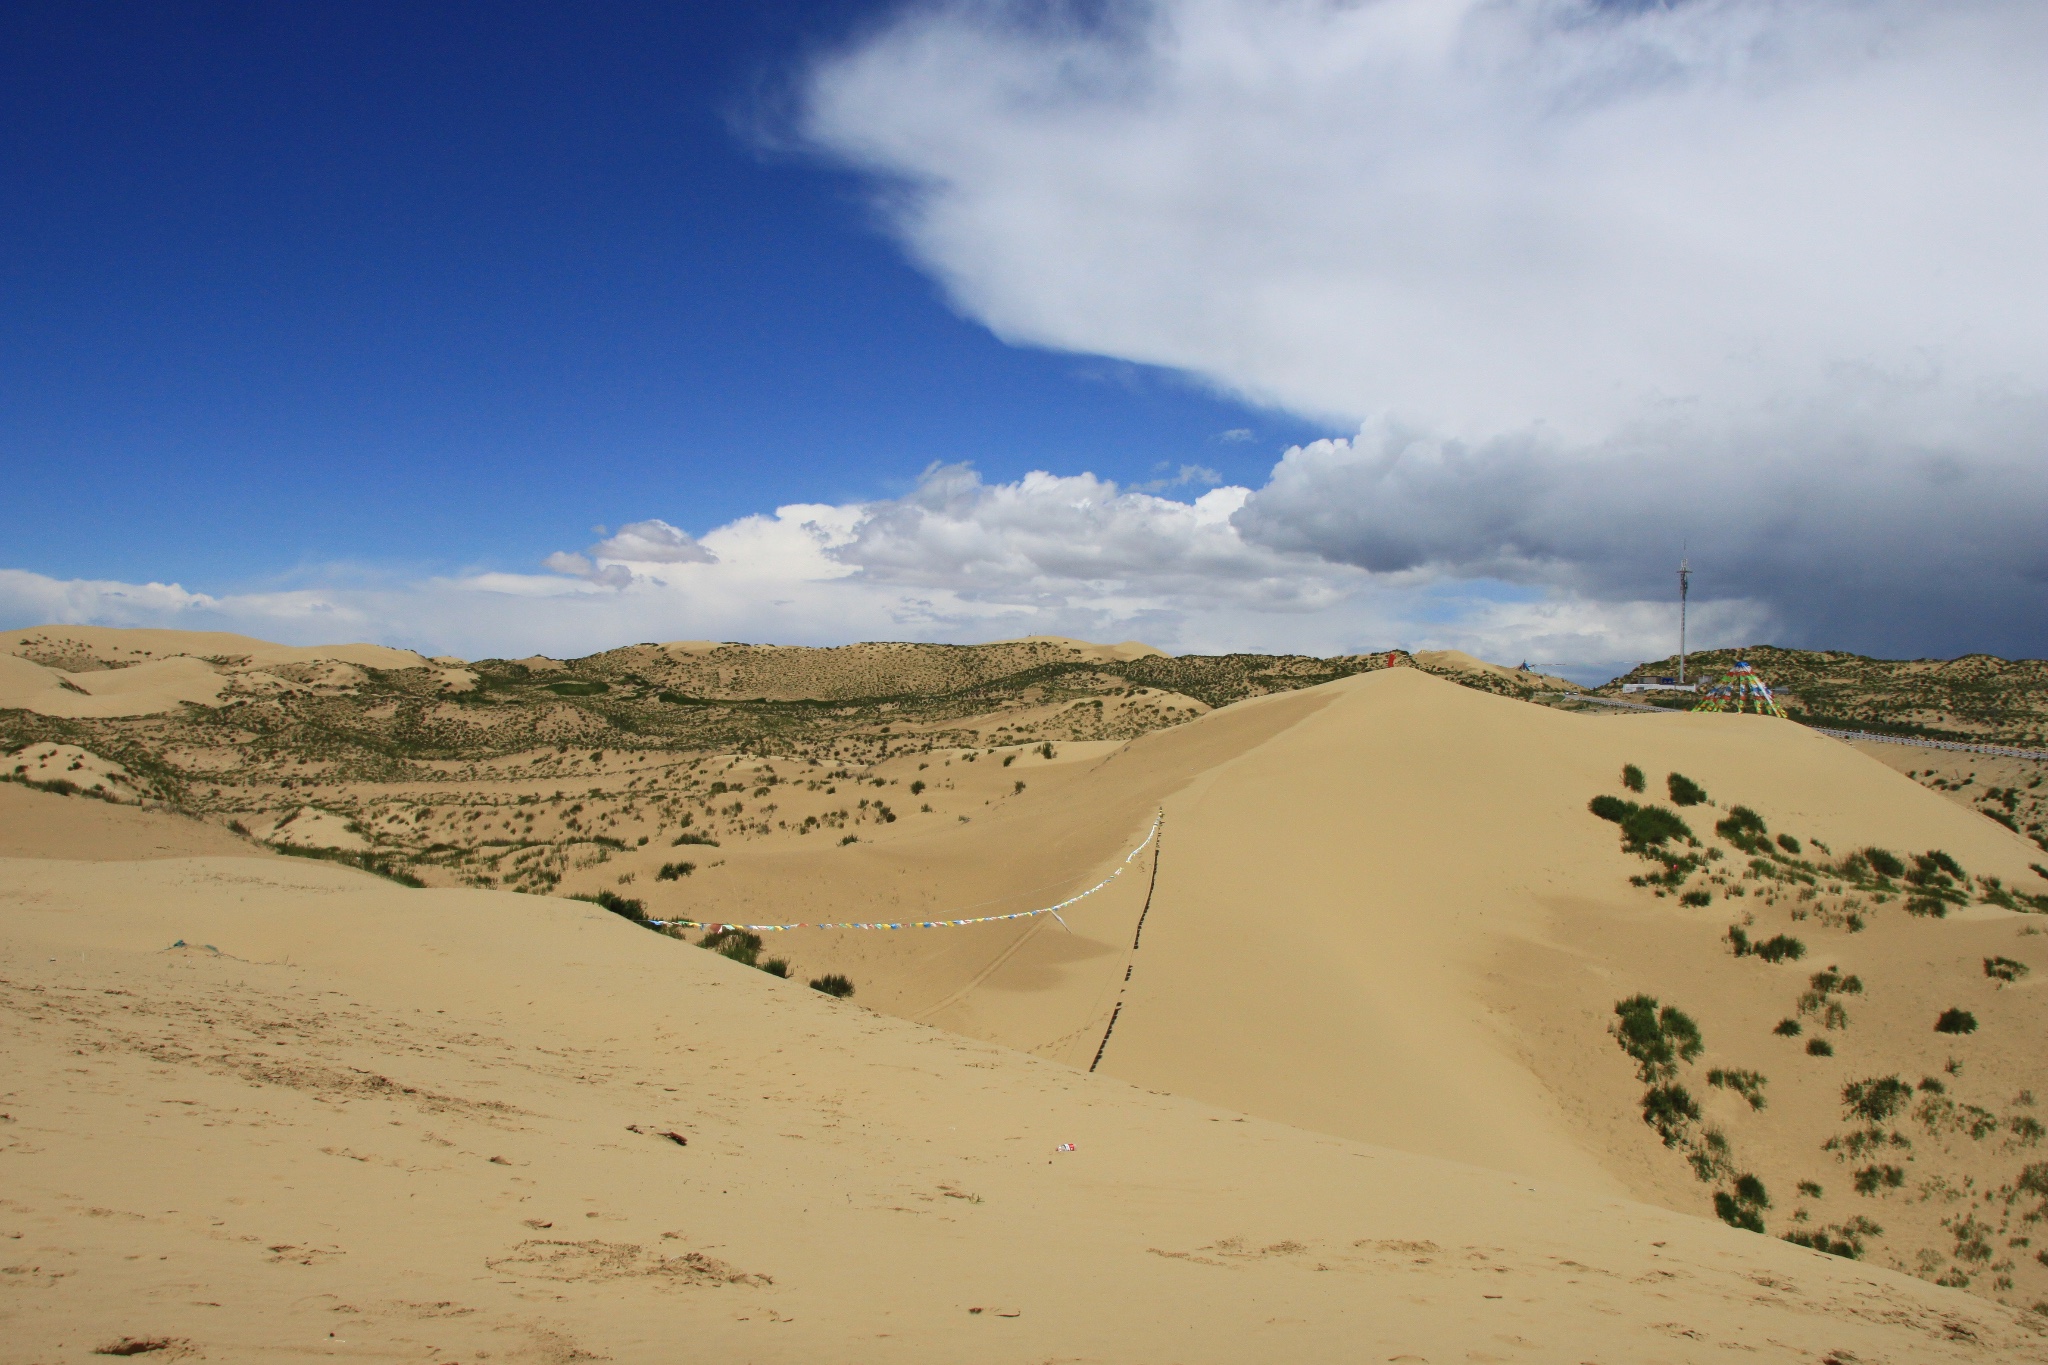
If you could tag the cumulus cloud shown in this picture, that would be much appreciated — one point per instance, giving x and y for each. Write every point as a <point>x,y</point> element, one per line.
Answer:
<point>1596,278</point>
<point>955,559</point>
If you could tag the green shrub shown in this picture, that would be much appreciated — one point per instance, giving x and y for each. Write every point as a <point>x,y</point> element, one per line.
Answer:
<point>1788,1028</point>
<point>834,985</point>
<point>1684,791</point>
<point>737,944</point>
<point>2004,969</point>
<point>1648,827</point>
<point>1884,864</point>
<point>1819,1047</point>
<point>1632,777</point>
<point>1871,1179</point>
<point>1831,981</point>
<point>1845,1239</point>
<point>1782,948</point>
<point>1657,1038</point>
<point>1748,1084</point>
<point>578,689</point>
<point>1743,828</point>
<point>1697,898</point>
<point>1876,1099</point>
<point>1611,808</point>
<point>1668,1108</point>
<point>1810,1189</point>
<point>1956,1021</point>
<point>1046,749</point>
<point>687,837</point>
<point>849,839</point>
<point>1738,940</point>
<point>1008,759</point>
<point>1789,844</point>
<point>376,864</point>
<point>674,871</point>
<point>617,904</point>
<point>1743,1206</point>
<point>1020,789</point>
<point>916,787</point>
<point>775,966</point>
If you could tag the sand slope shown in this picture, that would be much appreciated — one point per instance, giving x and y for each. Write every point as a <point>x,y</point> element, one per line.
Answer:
<point>1382,911</point>
<point>367,1123</point>
<point>141,690</point>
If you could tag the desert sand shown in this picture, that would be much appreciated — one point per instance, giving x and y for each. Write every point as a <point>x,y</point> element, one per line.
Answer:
<point>83,671</point>
<point>1360,1099</point>
<point>352,1121</point>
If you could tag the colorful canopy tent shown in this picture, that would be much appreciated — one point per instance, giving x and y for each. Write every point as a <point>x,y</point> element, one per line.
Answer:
<point>1740,689</point>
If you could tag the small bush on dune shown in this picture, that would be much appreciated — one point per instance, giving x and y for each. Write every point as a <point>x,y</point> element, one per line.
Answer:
<point>1782,948</point>
<point>737,944</point>
<point>1748,1084</point>
<point>1789,844</point>
<point>617,904</point>
<point>1871,1179</point>
<point>834,985</point>
<point>1789,1028</point>
<point>1738,940</point>
<point>1956,1021</point>
<point>1632,777</point>
<point>1819,1047</point>
<point>1610,808</point>
<point>2004,969</point>
<point>1743,828</point>
<point>1651,826</point>
<point>1844,1240</point>
<point>1697,898</point>
<point>1658,1038</point>
<point>674,871</point>
<point>1876,1098</point>
<point>775,966</point>
<point>1884,864</point>
<point>1743,1206</point>
<point>688,838</point>
<point>1684,791</point>
<point>1668,1108</point>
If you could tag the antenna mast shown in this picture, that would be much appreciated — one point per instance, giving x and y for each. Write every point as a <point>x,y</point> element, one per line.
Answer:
<point>1684,586</point>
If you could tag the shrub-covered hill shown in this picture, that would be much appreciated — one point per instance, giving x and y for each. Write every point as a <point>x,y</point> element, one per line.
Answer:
<point>1977,698</point>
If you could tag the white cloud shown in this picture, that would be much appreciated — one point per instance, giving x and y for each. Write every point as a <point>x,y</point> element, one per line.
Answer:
<point>957,559</point>
<point>1597,277</point>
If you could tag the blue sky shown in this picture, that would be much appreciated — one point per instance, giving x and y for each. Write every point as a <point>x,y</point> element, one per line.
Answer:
<point>1225,324</point>
<point>446,285</point>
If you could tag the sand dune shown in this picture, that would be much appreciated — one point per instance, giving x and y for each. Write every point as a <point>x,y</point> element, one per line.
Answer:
<point>140,690</point>
<point>104,671</point>
<point>1383,912</point>
<point>1381,933</point>
<point>82,647</point>
<point>1458,661</point>
<point>351,1121</point>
